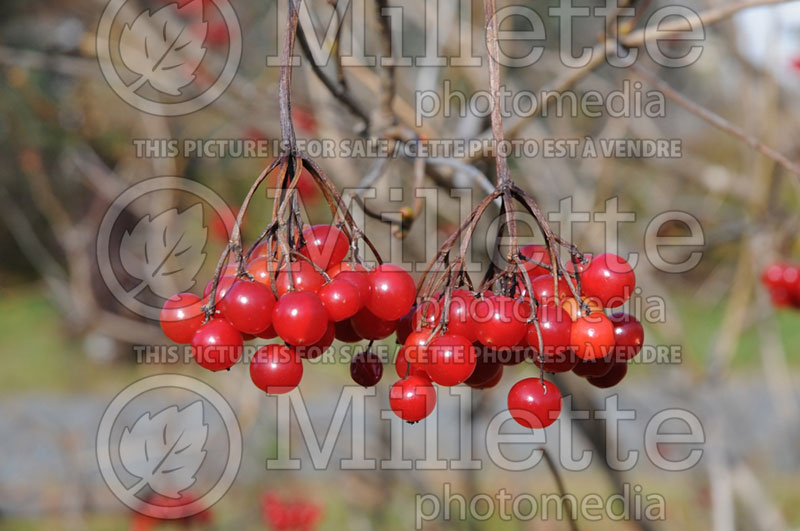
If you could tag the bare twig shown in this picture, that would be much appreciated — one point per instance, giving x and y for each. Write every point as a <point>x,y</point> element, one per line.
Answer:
<point>718,121</point>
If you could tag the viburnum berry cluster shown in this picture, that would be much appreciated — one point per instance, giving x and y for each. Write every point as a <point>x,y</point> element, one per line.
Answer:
<point>308,285</point>
<point>535,307</point>
<point>782,280</point>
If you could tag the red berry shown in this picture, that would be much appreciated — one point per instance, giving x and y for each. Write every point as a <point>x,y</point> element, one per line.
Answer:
<point>300,318</point>
<point>427,314</point>
<point>537,253</point>
<point>412,398</point>
<point>304,276</point>
<point>276,369</point>
<point>610,378</point>
<point>510,356</point>
<point>342,299</point>
<point>370,326</point>
<point>181,316</point>
<point>593,367</point>
<point>217,345</point>
<point>460,320</point>
<point>262,270</point>
<point>487,373</point>
<point>341,267</point>
<point>392,292</point>
<point>346,333</point>
<point>534,403</point>
<point>325,245</point>
<point>592,336</point>
<point>416,346</point>
<point>269,333</point>
<point>248,306</point>
<point>628,336</point>
<point>358,279</point>
<point>225,283</point>
<point>609,278</point>
<point>451,359</point>
<point>555,326</point>
<point>543,289</point>
<point>310,352</point>
<point>570,267</point>
<point>773,274</point>
<point>564,361</point>
<point>366,369</point>
<point>404,326</point>
<point>402,367</point>
<point>500,321</point>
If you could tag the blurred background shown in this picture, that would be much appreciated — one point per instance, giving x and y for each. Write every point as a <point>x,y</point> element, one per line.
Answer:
<point>69,149</point>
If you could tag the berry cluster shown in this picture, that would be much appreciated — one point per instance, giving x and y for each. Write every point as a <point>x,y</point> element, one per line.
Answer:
<point>315,299</point>
<point>782,280</point>
<point>481,333</point>
<point>297,283</point>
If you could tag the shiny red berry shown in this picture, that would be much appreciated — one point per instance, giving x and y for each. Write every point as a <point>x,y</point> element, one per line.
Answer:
<point>276,369</point>
<point>304,277</point>
<point>500,321</point>
<point>299,318</point>
<point>451,359</point>
<point>217,345</point>
<point>401,365</point>
<point>412,398</point>
<point>181,316</point>
<point>325,245</point>
<point>609,278</point>
<point>392,292</point>
<point>534,403</point>
<point>225,283</point>
<point>592,336</point>
<point>555,327</point>
<point>460,319</point>
<point>628,336</point>
<point>342,299</point>
<point>543,290</point>
<point>248,306</point>
<point>310,352</point>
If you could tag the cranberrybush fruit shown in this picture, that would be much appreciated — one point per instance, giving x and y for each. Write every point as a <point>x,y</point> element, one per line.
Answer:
<point>217,345</point>
<point>276,369</point>
<point>451,359</point>
<point>534,403</point>
<point>299,318</point>
<point>609,278</point>
<point>366,369</point>
<point>248,306</point>
<point>392,292</point>
<point>412,398</point>
<point>181,316</point>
